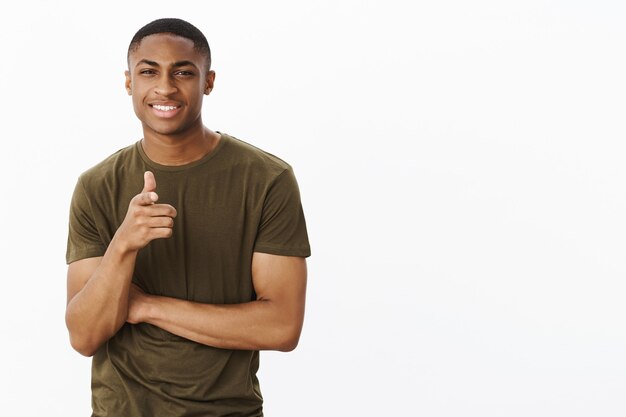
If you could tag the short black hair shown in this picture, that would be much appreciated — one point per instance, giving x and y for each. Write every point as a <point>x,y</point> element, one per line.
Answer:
<point>176,27</point>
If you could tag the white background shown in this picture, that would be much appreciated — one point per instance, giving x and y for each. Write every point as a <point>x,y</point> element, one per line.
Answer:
<point>462,170</point>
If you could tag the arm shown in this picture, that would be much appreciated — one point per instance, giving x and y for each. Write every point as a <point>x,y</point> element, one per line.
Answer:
<point>98,288</point>
<point>97,294</point>
<point>272,322</point>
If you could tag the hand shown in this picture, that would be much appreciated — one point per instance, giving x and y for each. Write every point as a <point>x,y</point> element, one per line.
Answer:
<point>145,220</point>
<point>136,304</point>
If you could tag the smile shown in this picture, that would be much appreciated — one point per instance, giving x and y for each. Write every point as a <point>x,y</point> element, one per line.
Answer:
<point>165,111</point>
<point>164,108</point>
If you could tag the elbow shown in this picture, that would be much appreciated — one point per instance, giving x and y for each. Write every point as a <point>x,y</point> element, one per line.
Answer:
<point>287,346</point>
<point>81,342</point>
<point>288,340</point>
<point>82,347</point>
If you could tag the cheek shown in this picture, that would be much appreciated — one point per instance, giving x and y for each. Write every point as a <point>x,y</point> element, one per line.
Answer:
<point>200,93</point>
<point>139,93</point>
<point>199,102</point>
<point>137,102</point>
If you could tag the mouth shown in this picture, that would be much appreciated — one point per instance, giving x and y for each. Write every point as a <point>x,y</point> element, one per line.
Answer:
<point>165,110</point>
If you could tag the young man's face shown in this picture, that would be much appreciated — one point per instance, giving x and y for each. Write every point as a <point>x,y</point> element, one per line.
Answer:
<point>167,79</point>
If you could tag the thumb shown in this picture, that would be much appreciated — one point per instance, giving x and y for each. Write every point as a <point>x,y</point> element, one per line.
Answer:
<point>149,183</point>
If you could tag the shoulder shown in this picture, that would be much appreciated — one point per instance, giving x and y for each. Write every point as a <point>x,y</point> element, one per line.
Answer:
<point>114,166</point>
<point>247,155</point>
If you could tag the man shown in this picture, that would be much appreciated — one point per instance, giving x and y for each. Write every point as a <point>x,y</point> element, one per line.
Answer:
<point>186,250</point>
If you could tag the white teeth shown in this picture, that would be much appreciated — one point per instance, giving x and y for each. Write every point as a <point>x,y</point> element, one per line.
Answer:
<point>163,108</point>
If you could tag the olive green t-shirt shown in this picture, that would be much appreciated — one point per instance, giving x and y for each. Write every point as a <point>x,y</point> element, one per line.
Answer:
<point>235,201</point>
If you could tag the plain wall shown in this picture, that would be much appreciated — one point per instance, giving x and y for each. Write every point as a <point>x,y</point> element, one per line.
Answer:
<point>462,171</point>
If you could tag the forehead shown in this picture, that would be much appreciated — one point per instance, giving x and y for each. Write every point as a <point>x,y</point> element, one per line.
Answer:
<point>166,48</point>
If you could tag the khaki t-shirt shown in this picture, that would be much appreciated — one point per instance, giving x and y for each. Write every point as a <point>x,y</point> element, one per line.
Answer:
<point>235,201</point>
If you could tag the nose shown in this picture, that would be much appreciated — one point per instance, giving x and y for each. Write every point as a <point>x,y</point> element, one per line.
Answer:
<point>165,86</point>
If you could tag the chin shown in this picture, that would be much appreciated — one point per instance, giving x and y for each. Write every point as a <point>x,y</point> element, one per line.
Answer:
<point>164,130</point>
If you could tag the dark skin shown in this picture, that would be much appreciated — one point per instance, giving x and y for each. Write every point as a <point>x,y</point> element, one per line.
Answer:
<point>176,77</point>
<point>167,79</point>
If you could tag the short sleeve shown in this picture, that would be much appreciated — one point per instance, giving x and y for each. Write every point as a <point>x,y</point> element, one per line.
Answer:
<point>83,239</point>
<point>282,230</point>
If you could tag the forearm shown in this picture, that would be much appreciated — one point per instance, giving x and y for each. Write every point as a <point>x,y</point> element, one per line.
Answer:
<point>100,308</point>
<point>272,322</point>
<point>256,325</point>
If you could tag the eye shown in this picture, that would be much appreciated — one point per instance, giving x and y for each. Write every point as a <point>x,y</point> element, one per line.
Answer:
<point>147,72</point>
<point>183,73</point>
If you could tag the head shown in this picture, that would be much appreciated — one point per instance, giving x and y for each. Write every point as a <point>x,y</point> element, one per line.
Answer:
<point>168,74</point>
<point>176,27</point>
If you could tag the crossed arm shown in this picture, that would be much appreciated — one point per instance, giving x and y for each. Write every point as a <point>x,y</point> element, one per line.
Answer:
<point>101,297</point>
<point>272,322</point>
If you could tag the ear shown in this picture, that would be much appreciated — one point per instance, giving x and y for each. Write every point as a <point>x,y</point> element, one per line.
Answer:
<point>128,83</point>
<point>210,80</point>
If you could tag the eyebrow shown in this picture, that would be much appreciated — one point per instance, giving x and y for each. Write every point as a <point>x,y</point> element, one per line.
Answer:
<point>175,65</point>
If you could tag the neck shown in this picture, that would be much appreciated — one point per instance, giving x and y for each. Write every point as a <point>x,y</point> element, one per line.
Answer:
<point>179,149</point>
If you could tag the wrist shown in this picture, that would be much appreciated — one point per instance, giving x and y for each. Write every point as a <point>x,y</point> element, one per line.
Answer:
<point>149,308</point>
<point>121,247</point>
